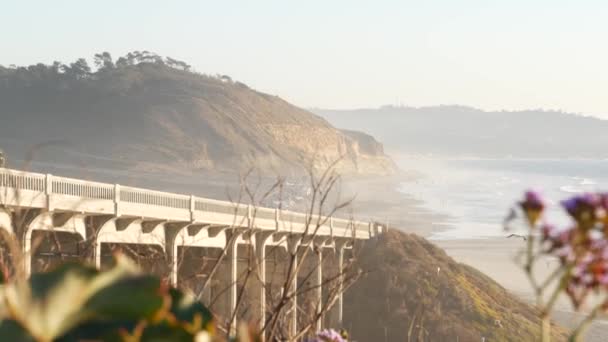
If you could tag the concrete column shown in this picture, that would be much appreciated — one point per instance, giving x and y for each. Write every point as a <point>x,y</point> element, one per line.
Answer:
<point>319,290</point>
<point>174,266</point>
<point>94,225</point>
<point>261,240</point>
<point>171,247</point>
<point>261,257</point>
<point>340,301</point>
<point>334,267</point>
<point>293,326</point>
<point>233,291</point>
<point>292,247</point>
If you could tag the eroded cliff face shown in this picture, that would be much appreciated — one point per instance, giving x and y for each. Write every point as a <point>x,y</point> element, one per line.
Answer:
<point>150,116</point>
<point>322,145</point>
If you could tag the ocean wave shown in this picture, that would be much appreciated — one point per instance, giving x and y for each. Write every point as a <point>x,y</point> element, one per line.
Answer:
<point>570,189</point>
<point>583,180</point>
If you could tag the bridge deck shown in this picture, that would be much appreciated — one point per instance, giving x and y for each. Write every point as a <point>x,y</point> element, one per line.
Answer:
<point>45,191</point>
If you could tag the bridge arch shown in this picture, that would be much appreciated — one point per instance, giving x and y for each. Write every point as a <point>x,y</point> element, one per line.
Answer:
<point>69,228</point>
<point>144,241</point>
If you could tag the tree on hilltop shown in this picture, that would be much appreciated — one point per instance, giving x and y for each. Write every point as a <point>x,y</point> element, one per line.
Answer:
<point>103,61</point>
<point>78,70</point>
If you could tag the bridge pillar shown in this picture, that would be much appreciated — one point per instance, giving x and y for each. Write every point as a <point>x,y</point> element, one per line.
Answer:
<point>261,240</point>
<point>319,285</point>
<point>232,257</point>
<point>341,247</point>
<point>310,284</point>
<point>171,247</point>
<point>292,248</point>
<point>228,281</point>
<point>334,278</point>
<point>341,287</point>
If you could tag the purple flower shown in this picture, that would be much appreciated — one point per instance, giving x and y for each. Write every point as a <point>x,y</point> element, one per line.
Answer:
<point>582,207</point>
<point>329,335</point>
<point>534,199</point>
<point>533,206</point>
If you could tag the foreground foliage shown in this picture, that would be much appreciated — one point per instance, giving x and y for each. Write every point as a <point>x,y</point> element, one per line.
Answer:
<point>581,250</point>
<point>77,302</point>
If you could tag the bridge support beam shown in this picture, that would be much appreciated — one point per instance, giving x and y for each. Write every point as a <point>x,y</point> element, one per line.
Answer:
<point>292,247</point>
<point>340,304</point>
<point>232,257</point>
<point>261,241</point>
<point>340,248</point>
<point>319,286</point>
<point>171,247</point>
<point>228,275</point>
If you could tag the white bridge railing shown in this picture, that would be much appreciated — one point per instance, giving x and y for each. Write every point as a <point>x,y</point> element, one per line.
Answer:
<point>28,189</point>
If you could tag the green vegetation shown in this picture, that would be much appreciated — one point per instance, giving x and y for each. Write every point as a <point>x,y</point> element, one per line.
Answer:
<point>414,289</point>
<point>76,302</point>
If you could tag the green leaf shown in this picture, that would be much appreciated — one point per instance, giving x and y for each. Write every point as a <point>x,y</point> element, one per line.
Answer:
<point>185,308</point>
<point>107,331</point>
<point>76,302</point>
<point>133,298</point>
<point>164,332</point>
<point>12,331</point>
<point>45,301</point>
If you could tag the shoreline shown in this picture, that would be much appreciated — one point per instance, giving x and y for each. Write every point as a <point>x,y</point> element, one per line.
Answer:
<point>394,208</point>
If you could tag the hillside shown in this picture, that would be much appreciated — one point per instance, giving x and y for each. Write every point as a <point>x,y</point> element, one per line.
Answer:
<point>409,279</point>
<point>458,131</point>
<point>144,112</point>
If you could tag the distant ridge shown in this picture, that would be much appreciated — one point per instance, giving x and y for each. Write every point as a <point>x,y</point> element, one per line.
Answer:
<point>144,111</point>
<point>460,131</point>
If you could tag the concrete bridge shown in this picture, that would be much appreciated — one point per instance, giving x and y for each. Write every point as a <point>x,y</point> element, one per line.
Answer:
<point>100,215</point>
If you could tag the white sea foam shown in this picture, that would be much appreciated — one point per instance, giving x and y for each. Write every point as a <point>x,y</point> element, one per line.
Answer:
<point>476,195</point>
<point>570,189</point>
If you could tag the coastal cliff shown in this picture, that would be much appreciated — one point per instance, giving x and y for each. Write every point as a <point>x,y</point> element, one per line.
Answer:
<point>151,116</point>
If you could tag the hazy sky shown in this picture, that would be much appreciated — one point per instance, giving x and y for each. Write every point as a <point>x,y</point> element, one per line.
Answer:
<point>510,54</point>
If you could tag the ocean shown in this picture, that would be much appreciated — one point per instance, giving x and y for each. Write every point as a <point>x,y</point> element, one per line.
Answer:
<point>477,194</point>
